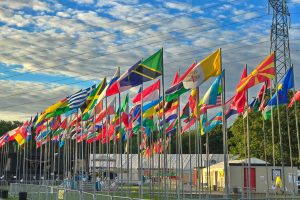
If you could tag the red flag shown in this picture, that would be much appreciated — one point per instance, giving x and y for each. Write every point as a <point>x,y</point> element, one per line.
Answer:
<point>125,119</point>
<point>148,94</point>
<point>176,79</point>
<point>188,125</point>
<point>263,72</point>
<point>240,97</point>
<point>296,97</point>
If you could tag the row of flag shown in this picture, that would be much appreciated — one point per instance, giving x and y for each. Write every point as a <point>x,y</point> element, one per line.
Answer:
<point>88,116</point>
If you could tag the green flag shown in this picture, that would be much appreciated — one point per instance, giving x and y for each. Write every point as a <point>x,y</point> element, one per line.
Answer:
<point>124,104</point>
<point>152,67</point>
<point>93,97</point>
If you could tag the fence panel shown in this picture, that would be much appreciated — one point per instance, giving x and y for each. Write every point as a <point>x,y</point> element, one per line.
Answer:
<point>72,194</point>
<point>103,197</point>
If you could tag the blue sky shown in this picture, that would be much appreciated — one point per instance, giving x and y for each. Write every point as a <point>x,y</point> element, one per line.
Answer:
<point>51,48</point>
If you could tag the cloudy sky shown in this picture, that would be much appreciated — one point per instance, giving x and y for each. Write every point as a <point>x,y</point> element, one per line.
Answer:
<point>51,48</point>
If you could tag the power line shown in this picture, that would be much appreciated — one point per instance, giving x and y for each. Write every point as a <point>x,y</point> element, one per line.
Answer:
<point>64,85</point>
<point>126,49</point>
<point>141,39</point>
<point>174,54</point>
<point>109,34</point>
<point>254,57</point>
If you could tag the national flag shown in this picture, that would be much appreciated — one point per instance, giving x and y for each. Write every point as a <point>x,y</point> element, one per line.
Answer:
<point>211,95</point>
<point>208,67</point>
<point>267,112</point>
<point>12,133</point>
<point>285,84</point>
<point>259,102</point>
<point>239,100</point>
<point>230,108</point>
<point>185,111</point>
<point>213,122</point>
<point>92,99</point>
<point>124,104</point>
<point>178,89</point>
<point>52,110</point>
<point>171,116</point>
<point>149,108</point>
<point>149,94</point>
<point>139,73</point>
<point>55,123</point>
<point>296,97</point>
<point>263,72</point>
<point>188,125</point>
<point>3,140</point>
<point>76,100</point>
<point>192,101</point>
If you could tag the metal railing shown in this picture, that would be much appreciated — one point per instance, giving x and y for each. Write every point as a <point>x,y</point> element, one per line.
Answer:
<point>36,192</point>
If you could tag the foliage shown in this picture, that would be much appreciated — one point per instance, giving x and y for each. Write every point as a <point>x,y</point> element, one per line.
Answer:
<point>257,128</point>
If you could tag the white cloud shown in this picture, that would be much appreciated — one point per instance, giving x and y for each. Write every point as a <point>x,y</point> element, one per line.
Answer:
<point>20,4</point>
<point>92,43</point>
<point>183,7</point>
<point>84,1</point>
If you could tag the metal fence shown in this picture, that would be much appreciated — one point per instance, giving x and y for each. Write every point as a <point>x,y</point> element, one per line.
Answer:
<point>44,192</point>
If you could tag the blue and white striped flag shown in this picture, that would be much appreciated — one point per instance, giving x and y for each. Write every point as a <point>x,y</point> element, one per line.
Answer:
<point>77,100</point>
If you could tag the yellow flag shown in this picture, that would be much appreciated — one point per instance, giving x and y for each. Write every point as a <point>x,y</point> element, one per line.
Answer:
<point>203,70</point>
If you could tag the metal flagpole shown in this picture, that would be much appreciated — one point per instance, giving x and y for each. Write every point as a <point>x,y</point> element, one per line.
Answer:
<point>24,157</point>
<point>164,128</point>
<point>279,126</point>
<point>197,146</point>
<point>127,145</point>
<point>120,145</point>
<point>141,139</point>
<point>245,145</point>
<point>273,131</point>
<point>190,160</point>
<point>265,151</point>
<point>76,150</point>
<point>106,137</point>
<point>41,160</point>
<point>224,122</point>
<point>159,153</point>
<point>249,180</point>
<point>296,119</point>
<point>207,160</point>
<point>177,155</point>
<point>17,164</point>
<point>94,153</point>
<point>290,145</point>
<point>296,116</point>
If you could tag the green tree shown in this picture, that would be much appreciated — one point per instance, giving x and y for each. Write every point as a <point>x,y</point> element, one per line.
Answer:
<point>257,128</point>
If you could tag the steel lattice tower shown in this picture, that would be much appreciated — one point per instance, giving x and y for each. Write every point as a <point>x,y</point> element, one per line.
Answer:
<point>280,36</point>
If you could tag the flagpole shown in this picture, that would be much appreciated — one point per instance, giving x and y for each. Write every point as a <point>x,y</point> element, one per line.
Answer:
<point>41,160</point>
<point>127,145</point>
<point>177,164</point>
<point>296,116</point>
<point>245,145</point>
<point>249,180</point>
<point>76,149</point>
<point>190,158</point>
<point>24,161</point>
<point>120,144</point>
<point>196,150</point>
<point>94,152</point>
<point>279,127</point>
<point>159,152</point>
<point>141,139</point>
<point>164,126</point>
<point>265,151</point>
<point>226,189</point>
<point>207,162</point>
